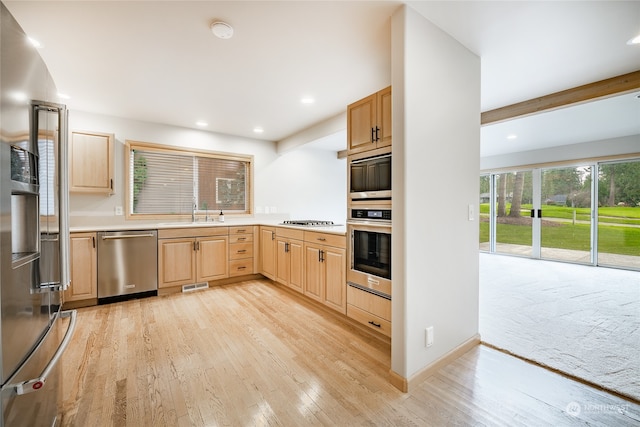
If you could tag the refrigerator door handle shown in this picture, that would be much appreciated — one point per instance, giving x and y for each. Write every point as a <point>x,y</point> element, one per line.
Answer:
<point>63,155</point>
<point>36,384</point>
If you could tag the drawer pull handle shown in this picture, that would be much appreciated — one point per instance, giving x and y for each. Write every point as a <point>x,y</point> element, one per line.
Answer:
<point>240,231</point>
<point>322,239</point>
<point>242,268</point>
<point>241,251</point>
<point>241,238</point>
<point>377,325</point>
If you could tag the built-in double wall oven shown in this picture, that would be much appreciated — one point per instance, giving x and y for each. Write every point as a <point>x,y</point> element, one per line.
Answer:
<point>369,222</point>
<point>370,251</point>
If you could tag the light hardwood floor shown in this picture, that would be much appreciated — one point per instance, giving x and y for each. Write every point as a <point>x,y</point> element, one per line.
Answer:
<point>253,354</point>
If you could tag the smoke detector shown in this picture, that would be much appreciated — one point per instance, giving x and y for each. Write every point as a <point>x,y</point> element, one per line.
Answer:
<point>222,30</point>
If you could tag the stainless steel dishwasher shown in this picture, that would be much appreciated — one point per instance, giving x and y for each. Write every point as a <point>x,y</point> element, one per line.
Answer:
<point>127,265</point>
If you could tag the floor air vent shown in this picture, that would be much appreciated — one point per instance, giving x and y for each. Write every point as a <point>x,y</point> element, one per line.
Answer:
<point>194,287</point>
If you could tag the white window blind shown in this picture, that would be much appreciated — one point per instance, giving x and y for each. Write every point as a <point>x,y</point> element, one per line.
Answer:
<point>171,182</point>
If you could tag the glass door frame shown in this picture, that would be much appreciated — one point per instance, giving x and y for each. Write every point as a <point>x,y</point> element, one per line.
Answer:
<point>537,212</point>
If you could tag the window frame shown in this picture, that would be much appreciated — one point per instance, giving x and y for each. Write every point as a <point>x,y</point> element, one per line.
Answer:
<point>131,145</point>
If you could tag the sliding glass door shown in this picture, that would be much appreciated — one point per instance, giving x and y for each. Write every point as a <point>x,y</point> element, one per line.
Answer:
<point>565,214</point>
<point>552,213</point>
<point>512,205</point>
<point>484,212</point>
<point>619,214</point>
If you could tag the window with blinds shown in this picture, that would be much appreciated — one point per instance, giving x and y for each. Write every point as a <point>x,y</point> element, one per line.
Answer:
<point>172,182</point>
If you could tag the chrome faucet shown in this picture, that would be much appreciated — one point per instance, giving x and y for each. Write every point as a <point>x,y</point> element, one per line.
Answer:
<point>193,210</point>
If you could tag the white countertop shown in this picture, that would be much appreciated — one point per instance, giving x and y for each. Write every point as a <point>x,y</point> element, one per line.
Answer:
<point>141,225</point>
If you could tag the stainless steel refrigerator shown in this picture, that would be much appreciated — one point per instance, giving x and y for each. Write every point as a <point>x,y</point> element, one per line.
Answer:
<point>34,234</point>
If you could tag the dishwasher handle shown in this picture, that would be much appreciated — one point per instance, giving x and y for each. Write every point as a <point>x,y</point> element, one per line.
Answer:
<point>127,236</point>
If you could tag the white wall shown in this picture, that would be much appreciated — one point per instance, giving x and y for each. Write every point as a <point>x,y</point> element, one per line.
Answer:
<point>436,128</point>
<point>304,182</point>
<point>594,149</point>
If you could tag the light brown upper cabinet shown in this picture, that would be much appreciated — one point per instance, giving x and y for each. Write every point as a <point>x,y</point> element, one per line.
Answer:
<point>369,122</point>
<point>91,162</point>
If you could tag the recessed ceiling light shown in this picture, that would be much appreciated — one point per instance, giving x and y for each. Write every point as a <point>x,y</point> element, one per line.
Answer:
<point>512,136</point>
<point>35,43</point>
<point>307,100</point>
<point>258,130</point>
<point>635,40</point>
<point>222,30</point>
<point>201,123</point>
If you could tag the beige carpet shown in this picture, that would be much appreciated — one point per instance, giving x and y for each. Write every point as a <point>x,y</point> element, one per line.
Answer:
<point>581,320</point>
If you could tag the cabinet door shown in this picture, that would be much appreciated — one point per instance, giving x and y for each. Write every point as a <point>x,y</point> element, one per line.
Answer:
<point>282,261</point>
<point>313,273</point>
<point>176,262</point>
<point>268,252</point>
<point>212,258</point>
<point>91,162</point>
<point>361,118</point>
<point>383,117</point>
<point>296,265</point>
<point>84,271</point>
<point>335,264</point>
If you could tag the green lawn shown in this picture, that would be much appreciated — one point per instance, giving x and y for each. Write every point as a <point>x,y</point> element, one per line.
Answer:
<point>611,239</point>
<point>606,214</point>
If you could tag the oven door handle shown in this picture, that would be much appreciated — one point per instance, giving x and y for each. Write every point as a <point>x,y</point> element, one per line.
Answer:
<point>36,384</point>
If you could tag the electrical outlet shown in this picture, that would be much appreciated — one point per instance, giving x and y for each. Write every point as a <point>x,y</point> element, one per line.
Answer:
<point>429,336</point>
<point>119,210</point>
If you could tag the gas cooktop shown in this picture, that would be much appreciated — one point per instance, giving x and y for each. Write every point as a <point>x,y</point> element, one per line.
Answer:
<point>309,223</point>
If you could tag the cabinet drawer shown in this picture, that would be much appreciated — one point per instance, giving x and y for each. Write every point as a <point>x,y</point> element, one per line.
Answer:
<point>171,233</point>
<point>240,267</point>
<point>325,239</point>
<point>290,233</point>
<point>248,229</point>
<point>369,320</point>
<point>374,304</point>
<point>241,250</point>
<point>240,238</point>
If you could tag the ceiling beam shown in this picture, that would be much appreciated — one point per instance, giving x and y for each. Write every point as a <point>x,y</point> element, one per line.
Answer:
<point>600,89</point>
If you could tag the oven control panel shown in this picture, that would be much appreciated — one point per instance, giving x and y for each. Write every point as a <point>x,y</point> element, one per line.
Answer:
<point>379,214</point>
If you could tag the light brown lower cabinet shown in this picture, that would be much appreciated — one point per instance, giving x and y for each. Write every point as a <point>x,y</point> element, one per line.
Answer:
<point>84,268</point>
<point>241,245</point>
<point>290,258</point>
<point>212,261</point>
<point>325,262</point>
<point>187,260</point>
<point>268,252</point>
<point>369,309</point>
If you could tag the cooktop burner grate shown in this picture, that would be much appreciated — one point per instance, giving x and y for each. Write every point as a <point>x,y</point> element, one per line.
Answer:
<point>309,222</point>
